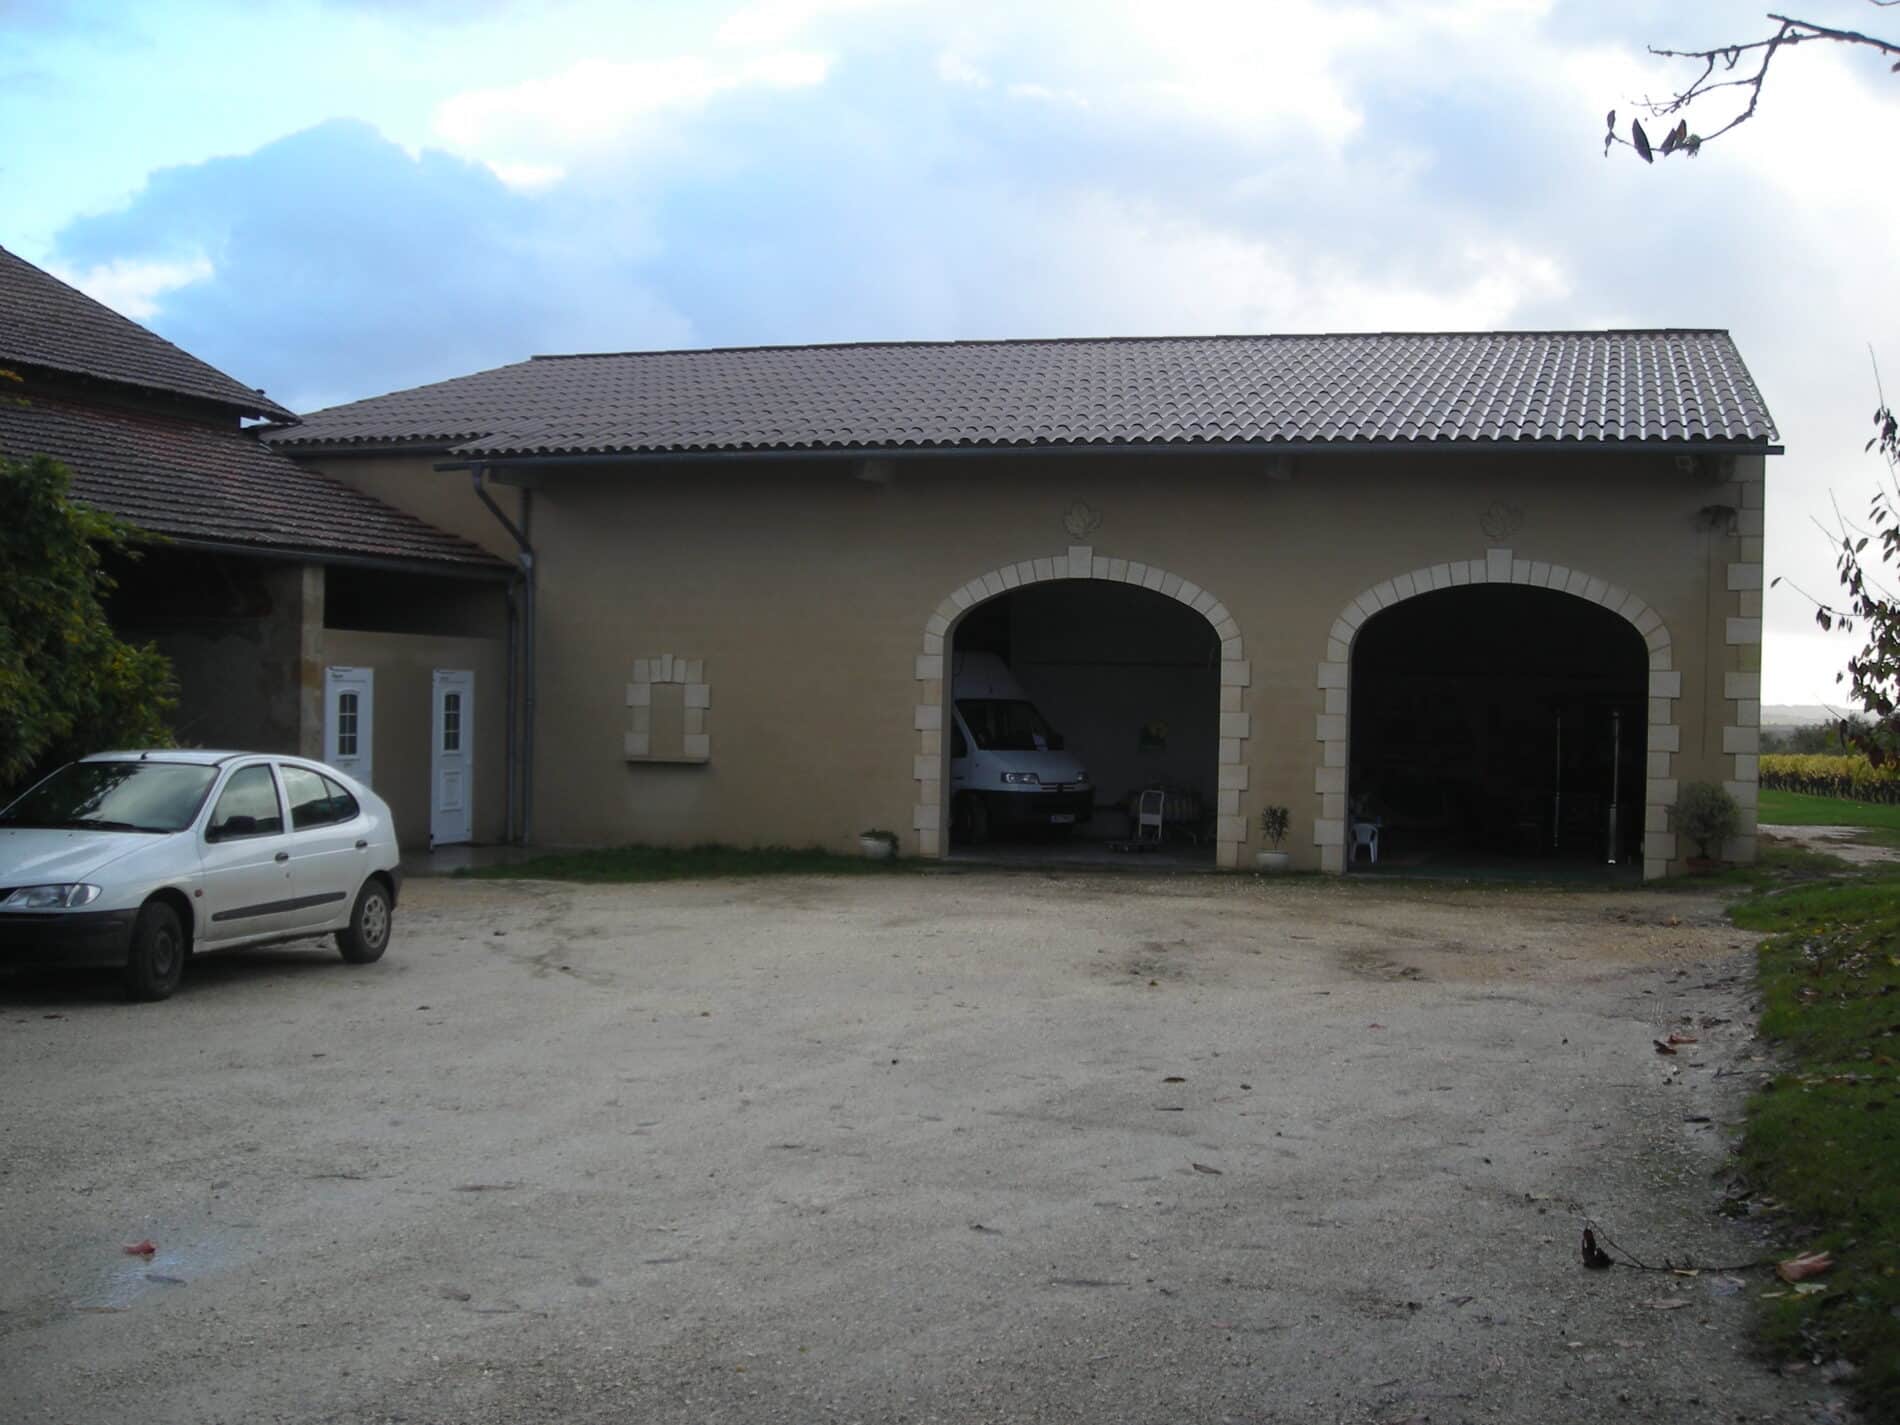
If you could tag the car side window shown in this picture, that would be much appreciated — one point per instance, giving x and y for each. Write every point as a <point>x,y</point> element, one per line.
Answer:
<point>958,747</point>
<point>246,807</point>
<point>341,802</point>
<point>315,800</point>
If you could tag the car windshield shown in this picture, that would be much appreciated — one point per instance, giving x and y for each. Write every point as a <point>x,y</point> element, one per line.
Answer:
<point>114,796</point>
<point>1006,725</point>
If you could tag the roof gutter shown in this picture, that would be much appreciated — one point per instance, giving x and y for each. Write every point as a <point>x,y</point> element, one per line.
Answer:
<point>1228,448</point>
<point>292,554</point>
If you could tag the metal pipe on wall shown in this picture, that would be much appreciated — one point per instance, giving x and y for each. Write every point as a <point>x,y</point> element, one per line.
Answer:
<point>1616,774</point>
<point>525,559</point>
<point>508,707</point>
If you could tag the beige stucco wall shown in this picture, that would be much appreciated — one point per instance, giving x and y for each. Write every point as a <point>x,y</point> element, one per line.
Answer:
<point>405,665</point>
<point>811,600</point>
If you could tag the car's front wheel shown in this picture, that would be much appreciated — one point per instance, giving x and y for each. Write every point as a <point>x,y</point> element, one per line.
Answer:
<point>368,933</point>
<point>157,961</point>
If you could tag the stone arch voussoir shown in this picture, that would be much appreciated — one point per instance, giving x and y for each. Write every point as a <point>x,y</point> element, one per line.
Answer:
<point>1498,566</point>
<point>1080,561</point>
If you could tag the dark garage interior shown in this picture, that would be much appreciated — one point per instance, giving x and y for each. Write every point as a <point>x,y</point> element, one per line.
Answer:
<point>1129,680</point>
<point>1495,725</point>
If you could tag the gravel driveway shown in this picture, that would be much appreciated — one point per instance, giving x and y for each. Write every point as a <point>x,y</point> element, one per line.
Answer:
<point>959,1147</point>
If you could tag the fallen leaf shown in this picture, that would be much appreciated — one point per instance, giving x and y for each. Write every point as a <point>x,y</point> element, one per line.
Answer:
<point>1375,1026</point>
<point>1677,1037</point>
<point>1203,1168</point>
<point>1810,1288</point>
<point>1667,1303</point>
<point>1593,1255</point>
<point>1808,1264</point>
<point>1662,1048</point>
<point>147,1248</point>
<point>1174,1079</point>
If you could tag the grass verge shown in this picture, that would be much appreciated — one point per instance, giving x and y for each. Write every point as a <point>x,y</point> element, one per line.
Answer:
<point>1800,809</point>
<point>688,863</point>
<point>1823,1136</point>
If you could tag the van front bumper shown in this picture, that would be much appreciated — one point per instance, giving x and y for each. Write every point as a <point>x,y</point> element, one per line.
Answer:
<point>75,938</point>
<point>1041,808</point>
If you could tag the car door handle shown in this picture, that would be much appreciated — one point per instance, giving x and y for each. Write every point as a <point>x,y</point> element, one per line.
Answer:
<point>362,846</point>
<point>281,856</point>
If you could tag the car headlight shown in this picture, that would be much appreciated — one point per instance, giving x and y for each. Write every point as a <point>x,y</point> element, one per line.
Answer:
<point>51,897</point>
<point>1021,779</point>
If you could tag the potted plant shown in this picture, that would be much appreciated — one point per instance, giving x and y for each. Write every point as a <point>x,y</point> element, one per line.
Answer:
<point>878,845</point>
<point>1708,816</point>
<point>1273,825</point>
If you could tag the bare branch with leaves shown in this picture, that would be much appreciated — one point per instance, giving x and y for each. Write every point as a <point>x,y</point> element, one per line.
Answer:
<point>1739,66</point>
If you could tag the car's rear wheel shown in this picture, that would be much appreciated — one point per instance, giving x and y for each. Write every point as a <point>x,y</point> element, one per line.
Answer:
<point>157,961</point>
<point>368,933</point>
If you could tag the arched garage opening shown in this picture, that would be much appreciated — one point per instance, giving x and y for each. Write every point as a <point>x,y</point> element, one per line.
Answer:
<point>1498,725</point>
<point>1065,701</point>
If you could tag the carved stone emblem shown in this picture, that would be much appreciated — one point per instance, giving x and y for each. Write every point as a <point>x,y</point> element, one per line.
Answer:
<point>1080,520</point>
<point>1501,521</point>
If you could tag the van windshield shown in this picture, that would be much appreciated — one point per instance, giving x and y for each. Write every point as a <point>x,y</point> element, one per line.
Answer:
<point>115,796</point>
<point>1006,725</point>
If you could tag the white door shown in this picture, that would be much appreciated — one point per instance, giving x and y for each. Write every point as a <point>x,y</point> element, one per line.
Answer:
<point>349,720</point>
<point>452,760</point>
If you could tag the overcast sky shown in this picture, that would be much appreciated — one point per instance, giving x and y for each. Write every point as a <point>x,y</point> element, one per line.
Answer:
<point>337,199</point>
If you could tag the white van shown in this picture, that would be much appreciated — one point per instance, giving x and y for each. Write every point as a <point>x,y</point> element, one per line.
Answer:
<point>1007,765</point>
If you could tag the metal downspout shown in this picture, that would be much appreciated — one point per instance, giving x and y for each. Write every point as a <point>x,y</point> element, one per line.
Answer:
<point>525,558</point>
<point>508,743</point>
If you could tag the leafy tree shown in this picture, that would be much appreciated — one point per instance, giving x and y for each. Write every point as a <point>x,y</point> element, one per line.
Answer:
<point>68,684</point>
<point>1728,70</point>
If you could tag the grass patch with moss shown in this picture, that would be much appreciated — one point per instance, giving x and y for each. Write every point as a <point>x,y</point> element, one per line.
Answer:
<point>686,863</point>
<point>1823,1137</point>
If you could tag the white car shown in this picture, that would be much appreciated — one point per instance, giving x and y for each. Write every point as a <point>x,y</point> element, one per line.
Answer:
<point>140,859</point>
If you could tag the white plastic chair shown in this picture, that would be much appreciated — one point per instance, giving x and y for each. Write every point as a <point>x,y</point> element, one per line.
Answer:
<point>1365,837</point>
<point>1149,808</point>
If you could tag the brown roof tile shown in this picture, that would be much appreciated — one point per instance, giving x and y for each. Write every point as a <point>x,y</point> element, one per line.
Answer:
<point>1466,388</point>
<point>193,481</point>
<point>44,322</point>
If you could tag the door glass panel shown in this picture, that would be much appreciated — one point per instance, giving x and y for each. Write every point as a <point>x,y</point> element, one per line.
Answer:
<point>248,806</point>
<point>451,722</point>
<point>346,724</point>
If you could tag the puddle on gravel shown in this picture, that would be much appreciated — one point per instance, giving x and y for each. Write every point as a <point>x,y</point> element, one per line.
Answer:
<point>174,1267</point>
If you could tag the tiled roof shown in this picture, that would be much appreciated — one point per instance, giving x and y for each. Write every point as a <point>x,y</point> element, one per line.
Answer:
<point>1571,388</point>
<point>194,481</point>
<point>44,322</point>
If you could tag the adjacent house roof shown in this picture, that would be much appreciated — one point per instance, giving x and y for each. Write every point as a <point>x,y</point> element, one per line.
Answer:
<point>1575,389</point>
<point>45,323</point>
<point>197,482</point>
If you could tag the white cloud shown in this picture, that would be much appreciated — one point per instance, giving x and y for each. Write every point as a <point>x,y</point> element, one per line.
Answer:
<point>532,128</point>
<point>773,22</point>
<point>132,287</point>
<point>952,68</point>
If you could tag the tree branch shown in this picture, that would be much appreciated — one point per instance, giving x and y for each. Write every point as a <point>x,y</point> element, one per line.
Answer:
<point>1722,61</point>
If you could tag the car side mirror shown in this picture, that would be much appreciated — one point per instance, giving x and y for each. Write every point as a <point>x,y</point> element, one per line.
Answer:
<point>238,825</point>
<point>1055,742</point>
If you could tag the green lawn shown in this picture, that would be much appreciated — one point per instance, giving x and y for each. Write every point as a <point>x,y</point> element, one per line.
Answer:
<point>664,863</point>
<point>1799,809</point>
<point>1823,1137</point>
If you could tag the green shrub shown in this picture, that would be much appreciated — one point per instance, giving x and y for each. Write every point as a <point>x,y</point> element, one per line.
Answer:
<point>1707,815</point>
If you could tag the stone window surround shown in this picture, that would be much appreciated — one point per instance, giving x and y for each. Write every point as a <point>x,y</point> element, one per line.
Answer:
<point>1501,566</point>
<point>1081,561</point>
<point>670,668</point>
